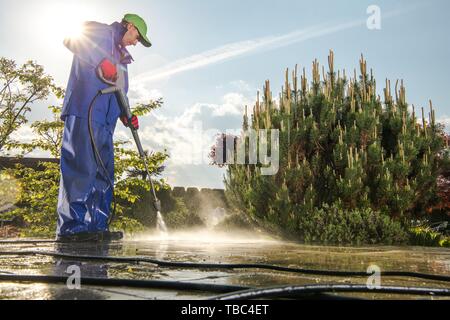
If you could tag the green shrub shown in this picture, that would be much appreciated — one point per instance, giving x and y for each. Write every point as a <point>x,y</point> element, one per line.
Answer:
<point>334,225</point>
<point>181,217</point>
<point>445,242</point>
<point>425,236</point>
<point>37,198</point>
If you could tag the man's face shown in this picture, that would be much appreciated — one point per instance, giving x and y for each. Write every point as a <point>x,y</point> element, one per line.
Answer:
<point>131,37</point>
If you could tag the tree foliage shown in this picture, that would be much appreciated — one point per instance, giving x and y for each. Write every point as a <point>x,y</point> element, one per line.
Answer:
<point>20,87</point>
<point>341,147</point>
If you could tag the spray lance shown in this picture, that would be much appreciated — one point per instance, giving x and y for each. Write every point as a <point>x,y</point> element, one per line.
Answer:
<point>116,88</point>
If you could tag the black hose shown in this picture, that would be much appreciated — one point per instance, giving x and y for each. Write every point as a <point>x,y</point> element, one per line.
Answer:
<point>161,263</point>
<point>134,283</point>
<point>300,291</point>
<point>27,241</point>
<point>231,292</point>
<point>98,157</point>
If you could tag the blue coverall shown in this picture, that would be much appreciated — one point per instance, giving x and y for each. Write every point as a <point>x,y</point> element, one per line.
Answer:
<point>85,194</point>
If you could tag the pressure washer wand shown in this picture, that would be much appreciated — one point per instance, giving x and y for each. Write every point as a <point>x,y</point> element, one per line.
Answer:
<point>125,109</point>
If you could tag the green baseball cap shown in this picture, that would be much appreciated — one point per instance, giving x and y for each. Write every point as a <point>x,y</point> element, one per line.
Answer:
<point>140,25</point>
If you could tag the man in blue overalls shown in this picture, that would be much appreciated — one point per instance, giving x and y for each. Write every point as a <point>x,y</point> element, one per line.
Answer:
<point>85,192</point>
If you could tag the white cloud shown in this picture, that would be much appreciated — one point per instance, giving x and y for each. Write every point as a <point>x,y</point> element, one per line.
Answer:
<point>242,86</point>
<point>23,134</point>
<point>445,120</point>
<point>189,137</point>
<point>233,103</point>
<point>139,93</point>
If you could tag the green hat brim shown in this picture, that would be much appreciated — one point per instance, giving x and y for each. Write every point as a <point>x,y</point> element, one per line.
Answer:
<point>144,40</point>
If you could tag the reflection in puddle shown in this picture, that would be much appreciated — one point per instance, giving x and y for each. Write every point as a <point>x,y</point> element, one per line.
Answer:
<point>161,251</point>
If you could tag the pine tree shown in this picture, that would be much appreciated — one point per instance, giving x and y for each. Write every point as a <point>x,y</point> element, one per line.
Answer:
<point>341,146</point>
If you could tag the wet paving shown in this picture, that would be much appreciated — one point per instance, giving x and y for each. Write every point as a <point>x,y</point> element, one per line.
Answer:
<point>209,247</point>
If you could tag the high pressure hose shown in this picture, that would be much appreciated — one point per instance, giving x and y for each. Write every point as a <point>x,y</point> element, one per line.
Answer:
<point>231,292</point>
<point>294,291</point>
<point>132,283</point>
<point>123,104</point>
<point>125,110</point>
<point>227,266</point>
<point>99,158</point>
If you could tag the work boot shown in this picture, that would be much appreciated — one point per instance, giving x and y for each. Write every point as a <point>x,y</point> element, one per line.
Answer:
<point>100,236</point>
<point>77,237</point>
<point>110,235</point>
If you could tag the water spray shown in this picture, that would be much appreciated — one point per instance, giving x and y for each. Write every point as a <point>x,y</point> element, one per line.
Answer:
<point>117,89</point>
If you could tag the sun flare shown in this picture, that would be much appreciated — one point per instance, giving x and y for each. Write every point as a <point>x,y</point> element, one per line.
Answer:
<point>61,21</point>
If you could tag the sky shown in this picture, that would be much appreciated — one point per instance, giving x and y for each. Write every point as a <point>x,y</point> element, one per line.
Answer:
<point>209,59</point>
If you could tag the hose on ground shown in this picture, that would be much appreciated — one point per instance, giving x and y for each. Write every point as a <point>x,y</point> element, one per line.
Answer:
<point>27,241</point>
<point>230,292</point>
<point>161,263</point>
<point>133,283</point>
<point>301,291</point>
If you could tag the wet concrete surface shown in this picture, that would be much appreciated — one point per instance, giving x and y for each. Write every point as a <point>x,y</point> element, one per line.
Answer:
<point>205,247</point>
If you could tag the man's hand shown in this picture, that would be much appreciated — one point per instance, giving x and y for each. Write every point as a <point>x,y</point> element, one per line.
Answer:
<point>108,70</point>
<point>134,121</point>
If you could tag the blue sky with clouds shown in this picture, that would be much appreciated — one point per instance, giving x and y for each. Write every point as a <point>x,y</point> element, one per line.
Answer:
<point>209,58</point>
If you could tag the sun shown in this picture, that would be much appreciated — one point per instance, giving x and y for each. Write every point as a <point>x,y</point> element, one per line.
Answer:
<point>60,21</point>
